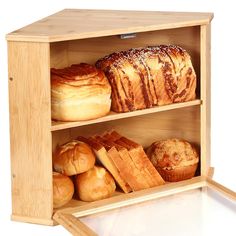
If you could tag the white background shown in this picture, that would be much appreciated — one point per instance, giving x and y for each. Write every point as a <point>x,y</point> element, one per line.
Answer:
<point>16,14</point>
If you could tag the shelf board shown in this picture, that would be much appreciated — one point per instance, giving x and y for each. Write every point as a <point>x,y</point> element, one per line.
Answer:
<point>119,199</point>
<point>58,125</point>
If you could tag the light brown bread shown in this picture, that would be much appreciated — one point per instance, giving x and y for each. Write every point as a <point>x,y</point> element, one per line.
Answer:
<point>140,158</point>
<point>73,158</point>
<point>79,92</point>
<point>63,189</point>
<point>175,159</point>
<point>95,184</point>
<point>107,162</point>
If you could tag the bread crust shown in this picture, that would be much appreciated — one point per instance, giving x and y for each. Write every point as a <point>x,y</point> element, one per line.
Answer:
<point>144,77</point>
<point>79,92</point>
<point>73,158</point>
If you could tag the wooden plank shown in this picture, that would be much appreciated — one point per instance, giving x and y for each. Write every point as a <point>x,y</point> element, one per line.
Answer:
<point>226,192</point>
<point>115,116</point>
<point>32,220</point>
<point>71,24</point>
<point>30,119</point>
<point>91,49</point>
<point>210,172</point>
<point>73,225</point>
<point>134,197</point>
<point>206,98</point>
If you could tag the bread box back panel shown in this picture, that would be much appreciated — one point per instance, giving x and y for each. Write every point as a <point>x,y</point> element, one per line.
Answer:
<point>61,40</point>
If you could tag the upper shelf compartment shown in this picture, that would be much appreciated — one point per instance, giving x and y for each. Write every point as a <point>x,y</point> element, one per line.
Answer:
<point>71,24</point>
<point>115,116</point>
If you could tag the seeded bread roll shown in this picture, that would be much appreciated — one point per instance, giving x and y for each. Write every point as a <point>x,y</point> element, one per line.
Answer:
<point>145,77</point>
<point>174,159</point>
<point>79,92</point>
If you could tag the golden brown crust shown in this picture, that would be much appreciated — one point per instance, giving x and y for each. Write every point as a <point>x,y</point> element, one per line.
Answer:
<point>173,154</point>
<point>73,158</point>
<point>178,174</point>
<point>63,189</point>
<point>95,184</point>
<point>144,77</point>
<point>79,92</point>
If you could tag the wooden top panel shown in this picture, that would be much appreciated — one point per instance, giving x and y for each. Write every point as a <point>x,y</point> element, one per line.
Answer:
<point>70,24</point>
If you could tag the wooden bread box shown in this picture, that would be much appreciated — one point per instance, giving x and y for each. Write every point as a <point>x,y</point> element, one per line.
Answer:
<point>72,36</point>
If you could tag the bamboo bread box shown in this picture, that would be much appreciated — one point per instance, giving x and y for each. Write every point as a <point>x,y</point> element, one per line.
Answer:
<point>73,36</point>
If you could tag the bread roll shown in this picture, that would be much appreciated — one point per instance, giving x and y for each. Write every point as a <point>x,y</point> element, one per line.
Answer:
<point>144,77</point>
<point>174,159</point>
<point>73,158</point>
<point>79,92</point>
<point>63,189</point>
<point>95,184</point>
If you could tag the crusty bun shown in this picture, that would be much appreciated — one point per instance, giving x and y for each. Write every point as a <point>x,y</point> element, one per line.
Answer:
<point>79,92</point>
<point>63,189</point>
<point>73,158</point>
<point>95,184</point>
<point>174,159</point>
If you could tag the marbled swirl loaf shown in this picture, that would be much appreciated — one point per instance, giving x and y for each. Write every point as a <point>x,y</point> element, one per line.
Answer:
<point>145,77</point>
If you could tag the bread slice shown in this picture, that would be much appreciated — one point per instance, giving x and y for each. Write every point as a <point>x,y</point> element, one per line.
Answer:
<point>131,173</point>
<point>107,162</point>
<point>139,156</point>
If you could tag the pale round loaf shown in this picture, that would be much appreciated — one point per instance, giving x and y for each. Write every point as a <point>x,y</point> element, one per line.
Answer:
<point>73,158</point>
<point>79,92</point>
<point>95,184</point>
<point>63,189</point>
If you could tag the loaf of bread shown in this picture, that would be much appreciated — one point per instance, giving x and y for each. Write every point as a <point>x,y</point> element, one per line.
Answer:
<point>125,160</point>
<point>73,158</point>
<point>104,158</point>
<point>63,189</point>
<point>174,159</point>
<point>145,77</point>
<point>79,92</point>
<point>95,184</point>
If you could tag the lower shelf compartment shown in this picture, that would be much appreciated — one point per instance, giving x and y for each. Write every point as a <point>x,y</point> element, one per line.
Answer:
<point>80,208</point>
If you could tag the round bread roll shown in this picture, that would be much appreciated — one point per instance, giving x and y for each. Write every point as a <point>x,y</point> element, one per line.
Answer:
<point>73,158</point>
<point>174,159</point>
<point>95,184</point>
<point>63,189</point>
<point>79,92</point>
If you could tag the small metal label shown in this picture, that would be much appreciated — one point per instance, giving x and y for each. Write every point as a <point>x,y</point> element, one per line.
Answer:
<point>128,36</point>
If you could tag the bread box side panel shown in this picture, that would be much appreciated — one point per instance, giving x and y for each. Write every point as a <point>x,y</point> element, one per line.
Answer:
<point>206,98</point>
<point>30,119</point>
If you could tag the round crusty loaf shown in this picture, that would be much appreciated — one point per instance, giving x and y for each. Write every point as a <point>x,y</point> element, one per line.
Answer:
<point>79,92</point>
<point>63,189</point>
<point>174,159</point>
<point>95,184</point>
<point>73,158</point>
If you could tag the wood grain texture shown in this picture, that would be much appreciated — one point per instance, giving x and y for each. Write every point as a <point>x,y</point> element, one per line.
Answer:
<point>30,118</point>
<point>133,198</point>
<point>179,123</point>
<point>25,219</point>
<point>226,192</point>
<point>71,24</point>
<point>73,225</point>
<point>57,125</point>
<point>206,98</point>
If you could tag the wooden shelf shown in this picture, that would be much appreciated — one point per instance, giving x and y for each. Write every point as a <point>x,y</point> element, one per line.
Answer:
<point>56,125</point>
<point>79,208</point>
